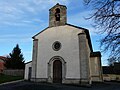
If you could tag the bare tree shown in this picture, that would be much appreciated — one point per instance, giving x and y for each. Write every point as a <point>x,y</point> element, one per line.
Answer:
<point>111,61</point>
<point>106,18</point>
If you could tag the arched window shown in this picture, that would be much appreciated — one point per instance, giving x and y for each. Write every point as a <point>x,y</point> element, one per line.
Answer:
<point>57,14</point>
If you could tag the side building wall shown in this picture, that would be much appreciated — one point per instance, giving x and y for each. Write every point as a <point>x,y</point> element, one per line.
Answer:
<point>27,66</point>
<point>96,68</point>
<point>1,65</point>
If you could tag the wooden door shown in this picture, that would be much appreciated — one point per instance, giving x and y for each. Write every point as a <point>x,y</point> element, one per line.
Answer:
<point>29,73</point>
<point>57,71</point>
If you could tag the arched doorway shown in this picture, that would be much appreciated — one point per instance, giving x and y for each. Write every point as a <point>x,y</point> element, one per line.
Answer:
<point>57,71</point>
<point>56,60</point>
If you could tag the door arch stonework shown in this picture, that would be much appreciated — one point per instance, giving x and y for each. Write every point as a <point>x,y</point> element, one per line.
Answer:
<point>50,68</point>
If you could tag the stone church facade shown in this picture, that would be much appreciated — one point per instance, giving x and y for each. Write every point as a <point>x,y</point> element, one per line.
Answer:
<point>62,53</point>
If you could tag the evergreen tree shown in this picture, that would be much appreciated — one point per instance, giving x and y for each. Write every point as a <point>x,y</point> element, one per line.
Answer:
<point>15,60</point>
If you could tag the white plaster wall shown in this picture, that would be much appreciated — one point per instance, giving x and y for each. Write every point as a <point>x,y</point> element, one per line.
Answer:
<point>68,37</point>
<point>26,70</point>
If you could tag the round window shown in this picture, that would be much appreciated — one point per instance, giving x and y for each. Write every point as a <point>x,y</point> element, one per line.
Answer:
<point>56,46</point>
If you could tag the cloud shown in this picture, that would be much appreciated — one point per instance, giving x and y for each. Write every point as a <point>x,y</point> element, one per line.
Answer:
<point>80,20</point>
<point>16,38</point>
<point>59,1</point>
<point>19,12</point>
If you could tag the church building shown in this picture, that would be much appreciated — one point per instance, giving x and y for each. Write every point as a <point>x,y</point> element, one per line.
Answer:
<point>62,53</point>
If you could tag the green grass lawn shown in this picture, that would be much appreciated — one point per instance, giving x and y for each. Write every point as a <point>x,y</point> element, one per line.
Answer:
<point>7,78</point>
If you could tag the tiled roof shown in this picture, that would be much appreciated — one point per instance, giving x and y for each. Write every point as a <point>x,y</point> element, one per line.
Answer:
<point>2,57</point>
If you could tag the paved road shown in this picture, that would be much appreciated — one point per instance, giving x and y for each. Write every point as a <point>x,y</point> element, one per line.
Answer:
<point>43,86</point>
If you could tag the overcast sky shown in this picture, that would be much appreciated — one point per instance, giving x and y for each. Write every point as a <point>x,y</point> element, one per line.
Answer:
<point>22,19</point>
